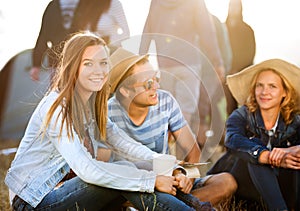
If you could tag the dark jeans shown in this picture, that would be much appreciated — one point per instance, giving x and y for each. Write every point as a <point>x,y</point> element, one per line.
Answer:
<point>279,188</point>
<point>194,202</point>
<point>265,180</point>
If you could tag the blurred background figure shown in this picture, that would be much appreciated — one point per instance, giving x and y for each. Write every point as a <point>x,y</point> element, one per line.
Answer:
<point>223,42</point>
<point>105,17</point>
<point>243,46</point>
<point>185,36</point>
<point>206,108</point>
<point>63,17</point>
<point>55,26</point>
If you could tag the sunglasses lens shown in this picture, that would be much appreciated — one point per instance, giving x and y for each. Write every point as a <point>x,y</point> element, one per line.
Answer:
<point>149,84</point>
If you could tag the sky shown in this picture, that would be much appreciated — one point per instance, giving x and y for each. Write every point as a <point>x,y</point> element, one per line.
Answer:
<point>275,23</point>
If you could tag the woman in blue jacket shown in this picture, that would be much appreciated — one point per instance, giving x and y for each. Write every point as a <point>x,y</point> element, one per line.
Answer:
<point>263,135</point>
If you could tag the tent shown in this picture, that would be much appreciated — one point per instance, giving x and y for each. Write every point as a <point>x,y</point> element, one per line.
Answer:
<point>19,94</point>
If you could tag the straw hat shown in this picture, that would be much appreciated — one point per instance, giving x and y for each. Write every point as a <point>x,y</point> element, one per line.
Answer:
<point>121,61</point>
<point>239,83</point>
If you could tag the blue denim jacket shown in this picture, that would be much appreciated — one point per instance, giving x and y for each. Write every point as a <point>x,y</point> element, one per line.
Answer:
<point>245,132</point>
<point>42,162</point>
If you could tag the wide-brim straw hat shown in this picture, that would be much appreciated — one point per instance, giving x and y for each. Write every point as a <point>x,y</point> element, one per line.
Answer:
<point>239,83</point>
<point>121,61</point>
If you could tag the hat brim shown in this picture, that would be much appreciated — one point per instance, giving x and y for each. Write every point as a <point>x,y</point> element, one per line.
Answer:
<point>121,61</point>
<point>239,83</point>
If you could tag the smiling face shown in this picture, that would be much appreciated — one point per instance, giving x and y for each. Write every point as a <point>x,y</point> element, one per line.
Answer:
<point>269,90</point>
<point>93,71</point>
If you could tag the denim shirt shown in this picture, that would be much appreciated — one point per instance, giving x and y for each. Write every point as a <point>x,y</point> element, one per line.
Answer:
<point>42,162</point>
<point>245,132</point>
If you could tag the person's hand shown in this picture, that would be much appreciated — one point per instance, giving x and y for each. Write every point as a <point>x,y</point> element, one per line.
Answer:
<point>166,184</point>
<point>290,161</point>
<point>294,150</point>
<point>185,184</point>
<point>276,156</point>
<point>35,73</point>
<point>286,157</point>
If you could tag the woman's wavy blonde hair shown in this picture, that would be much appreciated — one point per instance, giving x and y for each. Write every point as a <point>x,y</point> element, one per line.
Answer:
<point>73,112</point>
<point>289,104</point>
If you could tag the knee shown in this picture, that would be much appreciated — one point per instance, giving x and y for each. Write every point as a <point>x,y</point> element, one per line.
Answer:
<point>229,183</point>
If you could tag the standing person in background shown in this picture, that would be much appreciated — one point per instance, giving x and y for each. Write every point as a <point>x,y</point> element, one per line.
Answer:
<point>205,112</point>
<point>150,116</point>
<point>105,17</point>
<point>56,26</point>
<point>57,165</point>
<point>63,17</point>
<point>243,46</point>
<point>223,42</point>
<point>181,31</point>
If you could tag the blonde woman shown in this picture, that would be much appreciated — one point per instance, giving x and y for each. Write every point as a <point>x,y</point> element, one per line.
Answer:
<point>263,135</point>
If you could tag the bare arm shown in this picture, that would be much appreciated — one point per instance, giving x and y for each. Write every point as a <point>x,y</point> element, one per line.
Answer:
<point>187,145</point>
<point>190,151</point>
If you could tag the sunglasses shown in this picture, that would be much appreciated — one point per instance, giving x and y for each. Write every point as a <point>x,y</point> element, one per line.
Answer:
<point>149,84</point>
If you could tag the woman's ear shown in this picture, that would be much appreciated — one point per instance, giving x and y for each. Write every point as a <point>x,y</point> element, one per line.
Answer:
<point>124,92</point>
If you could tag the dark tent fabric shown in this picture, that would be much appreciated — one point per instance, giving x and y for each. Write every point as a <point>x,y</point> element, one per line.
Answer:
<point>19,94</point>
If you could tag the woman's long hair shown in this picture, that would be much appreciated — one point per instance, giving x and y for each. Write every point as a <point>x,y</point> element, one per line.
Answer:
<point>72,111</point>
<point>289,104</point>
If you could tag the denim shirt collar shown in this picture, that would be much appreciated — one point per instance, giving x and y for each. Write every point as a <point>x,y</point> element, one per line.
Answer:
<point>282,132</point>
<point>281,127</point>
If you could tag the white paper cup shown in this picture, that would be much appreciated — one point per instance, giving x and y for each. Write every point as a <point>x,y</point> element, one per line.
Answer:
<point>163,164</point>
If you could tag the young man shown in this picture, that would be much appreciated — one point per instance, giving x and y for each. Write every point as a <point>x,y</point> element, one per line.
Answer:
<point>151,116</point>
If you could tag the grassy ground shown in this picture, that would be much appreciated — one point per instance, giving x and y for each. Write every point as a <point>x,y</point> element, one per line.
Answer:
<point>5,161</point>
